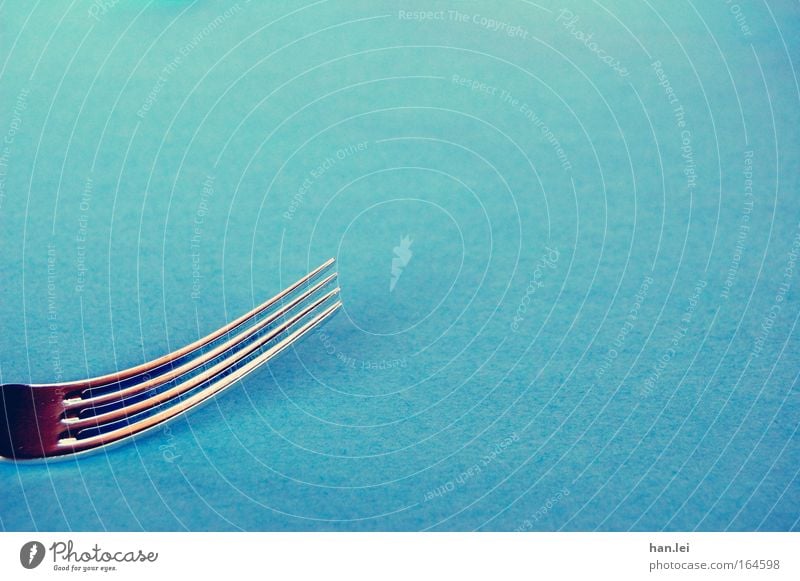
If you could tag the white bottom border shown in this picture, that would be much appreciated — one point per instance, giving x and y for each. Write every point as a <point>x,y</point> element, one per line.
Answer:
<point>389,556</point>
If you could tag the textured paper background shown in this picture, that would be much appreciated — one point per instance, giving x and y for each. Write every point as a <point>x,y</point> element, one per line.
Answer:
<point>430,406</point>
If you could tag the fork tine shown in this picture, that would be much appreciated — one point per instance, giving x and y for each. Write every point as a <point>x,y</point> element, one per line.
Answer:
<point>78,423</point>
<point>164,360</point>
<point>47,420</point>
<point>73,444</point>
<point>89,400</point>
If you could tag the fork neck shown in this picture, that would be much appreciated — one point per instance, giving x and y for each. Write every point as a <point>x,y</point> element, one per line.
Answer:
<point>29,420</point>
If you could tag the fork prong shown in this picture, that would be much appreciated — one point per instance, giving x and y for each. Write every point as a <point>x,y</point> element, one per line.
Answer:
<point>193,364</point>
<point>32,417</point>
<point>155,364</point>
<point>244,349</point>
<point>72,444</point>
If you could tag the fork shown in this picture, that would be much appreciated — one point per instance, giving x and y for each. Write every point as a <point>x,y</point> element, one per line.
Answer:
<point>46,420</point>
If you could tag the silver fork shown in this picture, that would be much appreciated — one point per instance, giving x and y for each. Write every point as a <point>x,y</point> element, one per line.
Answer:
<point>40,421</point>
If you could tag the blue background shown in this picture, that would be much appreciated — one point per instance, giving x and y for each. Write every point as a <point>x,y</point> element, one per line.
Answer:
<point>596,329</point>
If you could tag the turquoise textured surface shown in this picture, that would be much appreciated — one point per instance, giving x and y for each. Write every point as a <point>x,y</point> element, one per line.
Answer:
<point>567,237</point>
